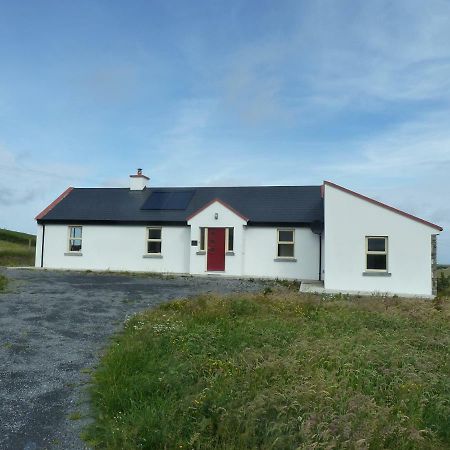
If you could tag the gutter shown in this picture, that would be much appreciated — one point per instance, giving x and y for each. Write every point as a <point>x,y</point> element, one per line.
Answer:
<point>42,246</point>
<point>320,257</point>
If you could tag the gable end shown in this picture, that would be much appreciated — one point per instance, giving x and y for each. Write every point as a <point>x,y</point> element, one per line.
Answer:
<point>223,204</point>
<point>383,205</point>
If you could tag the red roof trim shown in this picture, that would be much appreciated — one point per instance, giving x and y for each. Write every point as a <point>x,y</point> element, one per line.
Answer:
<point>139,176</point>
<point>223,204</point>
<point>54,203</point>
<point>383,205</point>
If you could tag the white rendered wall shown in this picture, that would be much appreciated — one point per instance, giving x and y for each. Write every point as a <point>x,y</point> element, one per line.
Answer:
<point>225,219</point>
<point>348,220</point>
<point>116,247</point>
<point>261,255</point>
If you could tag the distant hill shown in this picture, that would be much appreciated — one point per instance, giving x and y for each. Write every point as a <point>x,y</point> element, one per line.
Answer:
<point>17,237</point>
<point>16,248</point>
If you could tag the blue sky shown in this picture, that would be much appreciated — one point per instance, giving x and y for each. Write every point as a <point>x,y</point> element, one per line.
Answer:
<point>224,93</point>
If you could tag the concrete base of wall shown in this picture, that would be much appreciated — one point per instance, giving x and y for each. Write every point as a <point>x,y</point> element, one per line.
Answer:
<point>317,287</point>
<point>217,275</point>
<point>312,287</point>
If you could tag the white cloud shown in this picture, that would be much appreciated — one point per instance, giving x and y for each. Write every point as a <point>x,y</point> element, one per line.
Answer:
<point>377,51</point>
<point>252,84</point>
<point>407,166</point>
<point>28,186</point>
<point>410,149</point>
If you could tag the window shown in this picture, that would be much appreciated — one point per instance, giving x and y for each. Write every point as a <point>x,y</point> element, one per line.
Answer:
<point>285,243</point>
<point>203,238</point>
<point>229,240</point>
<point>75,239</point>
<point>376,253</point>
<point>154,240</point>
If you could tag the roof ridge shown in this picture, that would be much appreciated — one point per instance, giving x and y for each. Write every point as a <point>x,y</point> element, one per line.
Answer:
<point>208,187</point>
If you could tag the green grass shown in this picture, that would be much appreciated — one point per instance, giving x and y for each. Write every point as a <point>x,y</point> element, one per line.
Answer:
<point>277,371</point>
<point>75,416</point>
<point>16,249</point>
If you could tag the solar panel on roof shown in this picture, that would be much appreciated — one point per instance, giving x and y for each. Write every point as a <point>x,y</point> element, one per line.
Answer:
<point>161,200</point>
<point>179,200</point>
<point>156,200</point>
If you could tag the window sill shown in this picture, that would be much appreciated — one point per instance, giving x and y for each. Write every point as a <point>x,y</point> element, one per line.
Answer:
<point>73,254</point>
<point>229,253</point>
<point>376,274</point>
<point>286,259</point>
<point>155,256</point>
<point>201,252</point>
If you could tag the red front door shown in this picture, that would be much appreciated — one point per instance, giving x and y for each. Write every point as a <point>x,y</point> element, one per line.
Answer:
<point>216,249</point>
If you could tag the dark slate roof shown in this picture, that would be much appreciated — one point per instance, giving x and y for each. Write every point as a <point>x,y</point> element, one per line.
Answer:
<point>260,204</point>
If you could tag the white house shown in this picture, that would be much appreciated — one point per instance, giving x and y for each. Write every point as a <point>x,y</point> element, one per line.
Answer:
<point>330,238</point>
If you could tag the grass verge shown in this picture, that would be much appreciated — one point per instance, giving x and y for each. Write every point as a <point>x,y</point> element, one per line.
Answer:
<point>277,371</point>
<point>15,254</point>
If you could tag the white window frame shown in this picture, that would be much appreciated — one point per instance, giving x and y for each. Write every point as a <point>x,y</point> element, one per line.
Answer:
<point>147,240</point>
<point>227,240</point>
<point>376,252</point>
<point>70,238</point>
<point>286,242</point>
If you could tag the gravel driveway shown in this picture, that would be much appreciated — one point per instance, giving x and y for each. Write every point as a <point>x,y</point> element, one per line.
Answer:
<point>53,326</point>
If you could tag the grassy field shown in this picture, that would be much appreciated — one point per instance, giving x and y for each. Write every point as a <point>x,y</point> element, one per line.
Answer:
<point>16,249</point>
<point>277,371</point>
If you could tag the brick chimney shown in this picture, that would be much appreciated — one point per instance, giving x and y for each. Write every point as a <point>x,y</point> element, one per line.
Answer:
<point>138,182</point>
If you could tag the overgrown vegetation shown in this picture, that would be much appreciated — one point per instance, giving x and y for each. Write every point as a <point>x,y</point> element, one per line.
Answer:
<point>443,284</point>
<point>3,282</point>
<point>277,371</point>
<point>161,275</point>
<point>293,285</point>
<point>16,249</point>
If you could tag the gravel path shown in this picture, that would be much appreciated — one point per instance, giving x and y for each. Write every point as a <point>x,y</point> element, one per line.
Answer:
<point>53,326</point>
